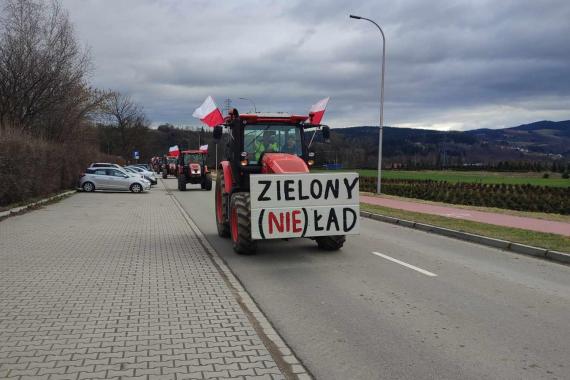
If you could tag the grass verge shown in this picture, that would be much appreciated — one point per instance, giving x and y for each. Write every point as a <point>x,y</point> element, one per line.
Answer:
<point>534,238</point>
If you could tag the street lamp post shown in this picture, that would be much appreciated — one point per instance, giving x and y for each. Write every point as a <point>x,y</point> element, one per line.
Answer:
<point>379,180</point>
<point>254,108</point>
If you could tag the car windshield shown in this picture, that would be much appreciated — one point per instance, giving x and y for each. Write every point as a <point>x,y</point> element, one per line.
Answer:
<point>195,158</point>
<point>259,138</point>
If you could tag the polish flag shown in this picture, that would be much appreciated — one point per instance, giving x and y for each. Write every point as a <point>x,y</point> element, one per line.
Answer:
<point>317,111</point>
<point>204,147</point>
<point>209,113</point>
<point>173,151</point>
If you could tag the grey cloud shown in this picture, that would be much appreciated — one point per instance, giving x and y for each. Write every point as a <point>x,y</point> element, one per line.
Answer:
<point>466,64</point>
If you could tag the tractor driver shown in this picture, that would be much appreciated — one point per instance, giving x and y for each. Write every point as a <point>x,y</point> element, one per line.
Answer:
<point>267,145</point>
<point>290,145</point>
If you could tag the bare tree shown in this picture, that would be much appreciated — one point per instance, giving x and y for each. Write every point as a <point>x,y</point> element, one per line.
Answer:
<point>42,67</point>
<point>128,117</point>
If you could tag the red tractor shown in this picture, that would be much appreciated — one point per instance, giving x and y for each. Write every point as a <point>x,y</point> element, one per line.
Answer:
<point>157,164</point>
<point>169,166</point>
<point>264,189</point>
<point>192,169</point>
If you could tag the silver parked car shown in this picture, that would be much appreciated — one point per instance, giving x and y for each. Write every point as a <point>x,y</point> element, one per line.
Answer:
<point>112,179</point>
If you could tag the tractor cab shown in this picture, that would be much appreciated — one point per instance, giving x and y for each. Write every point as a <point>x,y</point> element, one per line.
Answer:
<point>269,143</point>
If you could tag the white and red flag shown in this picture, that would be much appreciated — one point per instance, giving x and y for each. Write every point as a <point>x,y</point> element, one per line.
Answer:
<point>317,111</point>
<point>204,148</point>
<point>173,151</point>
<point>209,113</point>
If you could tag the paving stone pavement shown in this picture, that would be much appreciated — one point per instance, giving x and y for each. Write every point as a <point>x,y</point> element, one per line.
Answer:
<point>116,285</point>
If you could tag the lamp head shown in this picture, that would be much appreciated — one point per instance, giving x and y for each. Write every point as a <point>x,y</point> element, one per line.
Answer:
<point>355,17</point>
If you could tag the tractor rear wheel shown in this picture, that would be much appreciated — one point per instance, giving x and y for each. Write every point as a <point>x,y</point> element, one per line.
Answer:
<point>331,243</point>
<point>221,200</point>
<point>182,182</point>
<point>240,224</point>
<point>164,174</point>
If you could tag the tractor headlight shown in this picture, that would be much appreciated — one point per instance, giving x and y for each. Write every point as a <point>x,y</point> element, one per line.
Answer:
<point>311,160</point>
<point>244,161</point>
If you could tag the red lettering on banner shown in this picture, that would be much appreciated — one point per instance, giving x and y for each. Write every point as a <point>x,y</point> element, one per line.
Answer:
<point>279,225</point>
<point>297,221</point>
<point>285,222</point>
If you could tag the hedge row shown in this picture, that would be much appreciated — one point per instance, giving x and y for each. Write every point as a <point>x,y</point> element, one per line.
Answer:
<point>32,167</point>
<point>513,197</point>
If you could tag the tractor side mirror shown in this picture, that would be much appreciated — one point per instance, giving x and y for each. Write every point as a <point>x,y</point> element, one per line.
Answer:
<point>326,133</point>
<point>218,132</point>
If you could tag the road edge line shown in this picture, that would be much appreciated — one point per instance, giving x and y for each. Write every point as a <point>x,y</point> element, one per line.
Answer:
<point>543,253</point>
<point>21,209</point>
<point>286,360</point>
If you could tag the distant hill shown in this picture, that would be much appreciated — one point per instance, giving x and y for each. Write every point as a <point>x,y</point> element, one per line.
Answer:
<point>542,141</point>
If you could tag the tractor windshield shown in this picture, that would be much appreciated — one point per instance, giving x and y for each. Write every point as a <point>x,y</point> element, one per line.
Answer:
<point>259,138</point>
<point>194,158</point>
<point>172,160</point>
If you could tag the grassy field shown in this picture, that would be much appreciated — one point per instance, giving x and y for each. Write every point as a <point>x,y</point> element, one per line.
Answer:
<point>472,177</point>
<point>537,239</point>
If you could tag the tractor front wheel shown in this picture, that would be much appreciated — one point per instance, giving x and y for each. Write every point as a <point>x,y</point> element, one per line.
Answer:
<point>221,201</point>
<point>207,182</point>
<point>240,224</point>
<point>182,182</point>
<point>331,243</point>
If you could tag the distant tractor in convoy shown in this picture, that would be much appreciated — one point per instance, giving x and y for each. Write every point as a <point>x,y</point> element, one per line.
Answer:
<point>192,169</point>
<point>169,166</point>
<point>157,164</point>
<point>264,189</point>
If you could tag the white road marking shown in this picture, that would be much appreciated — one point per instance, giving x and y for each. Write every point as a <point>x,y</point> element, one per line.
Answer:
<point>423,271</point>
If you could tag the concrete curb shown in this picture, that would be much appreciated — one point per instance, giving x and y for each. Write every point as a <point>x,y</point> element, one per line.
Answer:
<point>544,253</point>
<point>17,210</point>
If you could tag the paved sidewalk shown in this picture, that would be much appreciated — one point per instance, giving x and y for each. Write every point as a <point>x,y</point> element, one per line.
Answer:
<point>117,285</point>
<point>532,224</point>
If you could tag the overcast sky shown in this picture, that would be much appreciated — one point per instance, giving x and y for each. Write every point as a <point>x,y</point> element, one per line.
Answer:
<point>450,64</point>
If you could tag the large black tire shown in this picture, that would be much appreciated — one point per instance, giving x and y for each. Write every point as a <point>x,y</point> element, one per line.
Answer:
<point>207,183</point>
<point>182,182</point>
<point>221,201</point>
<point>240,224</point>
<point>164,174</point>
<point>331,243</point>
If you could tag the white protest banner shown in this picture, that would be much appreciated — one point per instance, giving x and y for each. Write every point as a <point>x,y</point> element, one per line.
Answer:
<point>304,205</point>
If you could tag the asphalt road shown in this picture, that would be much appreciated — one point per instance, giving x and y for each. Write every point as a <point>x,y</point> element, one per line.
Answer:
<point>461,311</point>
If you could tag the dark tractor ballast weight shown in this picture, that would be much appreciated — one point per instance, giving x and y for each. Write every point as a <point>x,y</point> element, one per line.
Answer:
<point>192,169</point>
